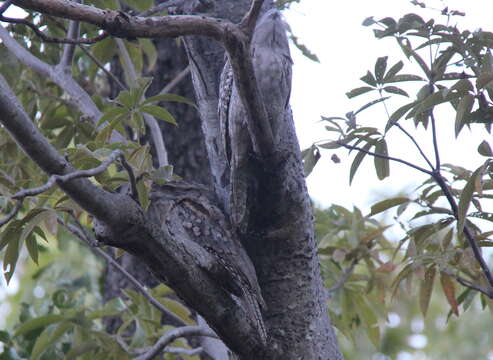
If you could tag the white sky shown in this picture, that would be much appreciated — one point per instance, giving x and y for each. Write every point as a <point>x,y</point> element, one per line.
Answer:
<point>346,50</point>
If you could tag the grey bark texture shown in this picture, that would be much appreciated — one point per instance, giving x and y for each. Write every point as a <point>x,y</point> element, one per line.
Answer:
<point>258,203</point>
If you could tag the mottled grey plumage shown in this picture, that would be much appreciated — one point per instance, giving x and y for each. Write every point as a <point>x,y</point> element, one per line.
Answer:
<point>188,210</point>
<point>272,64</point>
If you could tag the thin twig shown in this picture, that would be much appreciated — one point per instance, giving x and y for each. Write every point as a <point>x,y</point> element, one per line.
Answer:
<point>248,22</point>
<point>423,155</point>
<point>167,349</point>
<point>5,6</point>
<point>67,177</point>
<point>467,232</point>
<point>435,141</point>
<point>131,177</point>
<point>469,284</point>
<point>399,126</point>
<point>12,214</point>
<point>101,66</point>
<point>67,102</point>
<point>351,147</point>
<point>175,334</point>
<point>55,40</point>
<point>342,279</point>
<point>79,232</point>
<point>176,80</point>
<point>69,49</point>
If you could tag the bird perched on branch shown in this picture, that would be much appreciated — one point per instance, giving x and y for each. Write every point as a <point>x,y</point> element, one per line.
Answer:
<point>272,65</point>
<point>188,210</point>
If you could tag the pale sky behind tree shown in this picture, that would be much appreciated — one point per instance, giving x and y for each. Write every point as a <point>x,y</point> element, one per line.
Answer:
<point>346,49</point>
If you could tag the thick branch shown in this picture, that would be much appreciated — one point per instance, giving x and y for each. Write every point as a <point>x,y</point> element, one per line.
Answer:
<point>82,235</point>
<point>50,39</point>
<point>233,39</point>
<point>62,79</point>
<point>174,258</point>
<point>95,200</point>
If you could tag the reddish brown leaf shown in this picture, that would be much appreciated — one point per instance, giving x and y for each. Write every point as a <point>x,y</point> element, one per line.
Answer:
<point>449,291</point>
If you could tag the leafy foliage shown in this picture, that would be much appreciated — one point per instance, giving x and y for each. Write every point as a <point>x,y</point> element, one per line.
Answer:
<point>445,221</point>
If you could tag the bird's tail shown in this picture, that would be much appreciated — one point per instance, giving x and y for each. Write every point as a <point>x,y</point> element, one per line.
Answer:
<point>253,308</point>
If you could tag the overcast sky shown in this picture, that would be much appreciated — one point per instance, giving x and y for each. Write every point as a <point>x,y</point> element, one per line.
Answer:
<point>346,49</point>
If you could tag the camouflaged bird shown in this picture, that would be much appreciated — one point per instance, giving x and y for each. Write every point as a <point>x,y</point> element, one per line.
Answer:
<point>188,210</point>
<point>272,65</point>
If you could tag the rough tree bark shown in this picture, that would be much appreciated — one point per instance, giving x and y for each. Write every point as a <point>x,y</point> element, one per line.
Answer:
<point>278,234</point>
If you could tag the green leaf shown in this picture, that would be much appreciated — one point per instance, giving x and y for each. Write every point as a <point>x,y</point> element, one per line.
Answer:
<point>310,159</point>
<point>169,97</point>
<point>380,67</point>
<point>112,113</point>
<point>381,164</point>
<point>48,337</point>
<point>436,98</point>
<point>10,258</point>
<point>65,136</point>
<point>32,247</point>
<point>150,52</point>
<point>369,319</point>
<point>404,77</point>
<point>369,21</point>
<point>125,98</point>
<point>4,336</point>
<point>369,79</point>
<point>485,149</point>
<point>34,221</point>
<point>426,289</point>
<point>38,322</point>
<point>387,204</point>
<point>159,113</point>
<point>399,113</point>
<point>371,103</point>
<point>330,145</point>
<point>395,90</point>
<point>463,109</point>
<point>358,91</point>
<point>104,50</point>
<point>357,161</point>
<point>163,174</point>
<point>393,71</point>
<point>409,52</point>
<point>465,199</point>
<point>181,311</point>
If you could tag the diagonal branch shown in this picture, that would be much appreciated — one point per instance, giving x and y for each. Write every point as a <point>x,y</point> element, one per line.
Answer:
<point>174,257</point>
<point>351,147</point>
<point>174,334</point>
<point>5,6</point>
<point>62,79</point>
<point>90,197</point>
<point>67,177</point>
<point>234,40</point>
<point>50,39</point>
<point>248,22</point>
<point>12,214</point>
<point>79,232</point>
<point>151,122</point>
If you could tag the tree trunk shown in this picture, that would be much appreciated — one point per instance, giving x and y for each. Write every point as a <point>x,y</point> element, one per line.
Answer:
<point>275,224</point>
